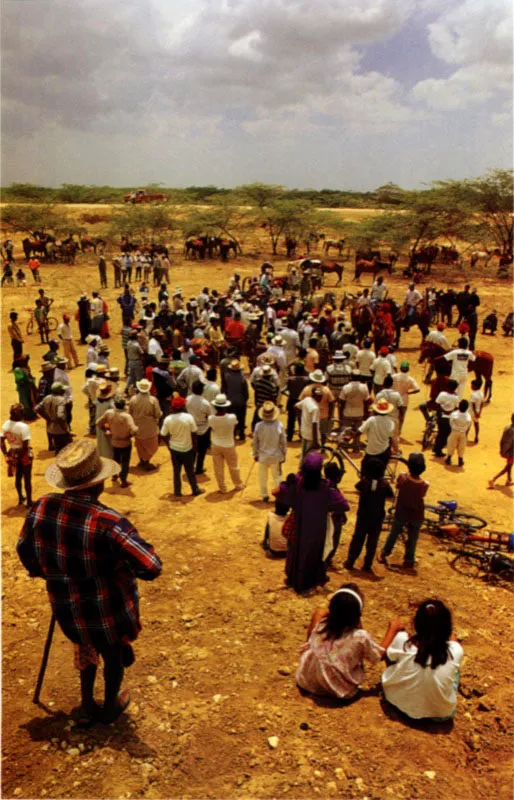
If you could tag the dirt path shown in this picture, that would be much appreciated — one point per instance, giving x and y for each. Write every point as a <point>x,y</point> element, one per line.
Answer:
<point>214,675</point>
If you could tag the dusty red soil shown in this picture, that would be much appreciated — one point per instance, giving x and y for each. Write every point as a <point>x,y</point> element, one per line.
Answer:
<point>214,675</point>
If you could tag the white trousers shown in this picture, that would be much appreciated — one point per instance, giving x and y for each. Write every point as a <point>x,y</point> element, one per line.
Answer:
<point>264,469</point>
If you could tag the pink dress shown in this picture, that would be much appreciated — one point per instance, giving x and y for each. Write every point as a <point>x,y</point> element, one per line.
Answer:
<point>335,666</point>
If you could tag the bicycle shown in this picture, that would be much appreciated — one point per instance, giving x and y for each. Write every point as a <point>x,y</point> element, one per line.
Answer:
<point>340,455</point>
<point>445,513</point>
<point>51,322</point>
<point>473,562</point>
<point>430,431</point>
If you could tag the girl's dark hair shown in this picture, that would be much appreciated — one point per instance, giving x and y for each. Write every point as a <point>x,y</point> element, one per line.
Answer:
<point>433,626</point>
<point>344,613</point>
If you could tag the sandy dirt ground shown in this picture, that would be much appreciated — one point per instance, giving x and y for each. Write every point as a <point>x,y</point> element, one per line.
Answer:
<point>215,662</point>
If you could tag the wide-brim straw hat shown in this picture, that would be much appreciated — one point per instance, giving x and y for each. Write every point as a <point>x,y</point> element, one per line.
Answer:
<point>80,465</point>
<point>279,341</point>
<point>61,360</point>
<point>382,406</point>
<point>143,386</point>
<point>106,390</point>
<point>268,358</point>
<point>268,411</point>
<point>46,366</point>
<point>92,338</point>
<point>235,364</point>
<point>317,376</point>
<point>221,401</point>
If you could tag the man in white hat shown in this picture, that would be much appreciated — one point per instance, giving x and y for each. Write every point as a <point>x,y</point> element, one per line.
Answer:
<point>379,428</point>
<point>276,349</point>
<point>223,446</point>
<point>92,585</point>
<point>325,404</point>
<point>269,446</point>
<point>353,399</point>
<point>146,414</point>
<point>339,373</point>
<point>308,411</point>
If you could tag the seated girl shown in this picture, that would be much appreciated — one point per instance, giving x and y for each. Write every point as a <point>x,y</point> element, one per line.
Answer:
<point>423,677</point>
<point>332,659</point>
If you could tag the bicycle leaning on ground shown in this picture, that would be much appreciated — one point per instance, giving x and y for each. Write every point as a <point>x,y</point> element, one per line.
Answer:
<point>486,564</point>
<point>445,513</point>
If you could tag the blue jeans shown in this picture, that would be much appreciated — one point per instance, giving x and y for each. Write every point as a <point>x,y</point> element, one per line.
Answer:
<point>397,527</point>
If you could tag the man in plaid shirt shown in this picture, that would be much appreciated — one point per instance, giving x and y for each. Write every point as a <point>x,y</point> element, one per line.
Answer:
<point>90,557</point>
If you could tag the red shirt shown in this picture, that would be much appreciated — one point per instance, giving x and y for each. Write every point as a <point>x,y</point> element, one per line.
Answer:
<point>149,377</point>
<point>235,330</point>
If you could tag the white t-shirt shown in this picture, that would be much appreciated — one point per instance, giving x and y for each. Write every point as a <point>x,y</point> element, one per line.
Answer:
<point>364,300</point>
<point>412,297</point>
<point>155,349</point>
<point>460,359</point>
<point>379,430</point>
<point>438,337</point>
<point>378,291</point>
<point>476,401</point>
<point>381,367</point>
<point>179,428</point>
<point>210,391</point>
<point>460,421</point>
<point>354,395</point>
<point>404,383</point>
<point>310,415</point>
<point>448,402</point>
<point>395,399</point>
<point>222,428</point>
<point>421,692</point>
<point>365,359</point>
<point>201,410</point>
<point>16,433</point>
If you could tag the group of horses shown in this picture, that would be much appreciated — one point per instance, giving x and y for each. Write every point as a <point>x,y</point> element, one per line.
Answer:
<point>46,247</point>
<point>204,246</point>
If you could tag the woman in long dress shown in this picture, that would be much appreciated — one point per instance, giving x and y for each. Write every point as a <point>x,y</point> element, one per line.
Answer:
<point>311,499</point>
<point>104,401</point>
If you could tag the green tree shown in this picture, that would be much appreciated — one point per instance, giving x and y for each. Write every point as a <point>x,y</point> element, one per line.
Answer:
<point>34,217</point>
<point>147,223</point>
<point>222,218</point>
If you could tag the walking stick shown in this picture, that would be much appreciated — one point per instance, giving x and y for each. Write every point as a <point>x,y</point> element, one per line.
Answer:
<point>44,662</point>
<point>249,474</point>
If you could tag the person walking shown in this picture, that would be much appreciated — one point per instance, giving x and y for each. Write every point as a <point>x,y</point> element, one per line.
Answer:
<point>200,409</point>
<point>53,410</point>
<point>506,452</point>
<point>19,456</point>
<point>65,335</point>
<point>119,426</point>
<point>269,447</point>
<point>34,265</point>
<point>223,448</point>
<point>460,423</point>
<point>179,432</point>
<point>146,414</point>
<point>409,510</point>
<point>405,385</point>
<point>92,585</point>
<point>83,317</point>
<point>102,271</point>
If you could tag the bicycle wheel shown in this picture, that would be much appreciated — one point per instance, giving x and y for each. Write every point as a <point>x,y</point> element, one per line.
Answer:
<point>428,435</point>
<point>468,520</point>
<point>468,563</point>
<point>30,326</point>
<point>51,323</point>
<point>331,454</point>
<point>435,516</point>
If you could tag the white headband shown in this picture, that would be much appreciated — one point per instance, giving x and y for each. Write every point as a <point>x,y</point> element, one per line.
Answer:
<point>349,591</point>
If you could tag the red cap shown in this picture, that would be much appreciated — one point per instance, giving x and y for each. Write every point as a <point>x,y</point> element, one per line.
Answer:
<point>384,351</point>
<point>178,403</point>
<point>314,312</point>
<point>281,313</point>
<point>66,317</point>
<point>440,326</point>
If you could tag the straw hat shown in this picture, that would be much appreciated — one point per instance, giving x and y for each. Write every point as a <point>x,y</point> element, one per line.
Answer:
<point>279,340</point>
<point>80,465</point>
<point>235,364</point>
<point>106,390</point>
<point>317,376</point>
<point>61,360</point>
<point>46,366</point>
<point>91,338</point>
<point>268,358</point>
<point>101,369</point>
<point>113,373</point>
<point>382,406</point>
<point>143,386</point>
<point>221,401</point>
<point>268,411</point>
<point>266,369</point>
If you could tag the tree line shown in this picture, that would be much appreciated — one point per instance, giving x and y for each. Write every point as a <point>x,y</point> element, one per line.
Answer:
<point>477,211</point>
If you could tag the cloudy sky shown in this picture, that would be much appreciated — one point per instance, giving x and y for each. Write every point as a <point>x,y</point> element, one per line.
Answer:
<point>306,93</point>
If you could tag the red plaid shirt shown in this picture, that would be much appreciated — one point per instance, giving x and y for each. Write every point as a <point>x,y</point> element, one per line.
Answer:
<point>90,557</point>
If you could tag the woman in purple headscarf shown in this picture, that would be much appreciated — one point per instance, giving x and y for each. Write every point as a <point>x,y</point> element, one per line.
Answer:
<point>311,499</point>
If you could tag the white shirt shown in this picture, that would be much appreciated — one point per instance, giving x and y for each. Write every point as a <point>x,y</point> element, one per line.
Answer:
<point>381,367</point>
<point>90,388</point>
<point>210,391</point>
<point>354,395</point>
<point>460,421</point>
<point>421,691</point>
<point>378,291</point>
<point>97,306</point>
<point>269,442</point>
<point>460,359</point>
<point>379,430</point>
<point>310,415</point>
<point>64,331</point>
<point>155,349</point>
<point>404,383</point>
<point>476,401</point>
<point>412,297</point>
<point>292,342</point>
<point>352,349</point>
<point>363,300</point>
<point>201,410</point>
<point>16,433</point>
<point>222,428</point>
<point>395,399</point>
<point>448,402</point>
<point>61,376</point>
<point>365,359</point>
<point>179,427</point>
<point>438,337</point>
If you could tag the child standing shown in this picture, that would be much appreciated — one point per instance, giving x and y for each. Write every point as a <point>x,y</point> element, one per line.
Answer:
<point>409,510</point>
<point>332,659</point>
<point>374,490</point>
<point>460,423</point>
<point>476,403</point>
<point>333,474</point>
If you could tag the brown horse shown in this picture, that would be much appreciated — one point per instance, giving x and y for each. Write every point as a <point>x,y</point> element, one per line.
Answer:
<point>482,366</point>
<point>333,268</point>
<point>362,318</point>
<point>374,267</point>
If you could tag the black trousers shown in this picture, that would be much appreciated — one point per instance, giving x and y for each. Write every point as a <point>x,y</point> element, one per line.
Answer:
<point>122,457</point>
<point>24,474</point>
<point>367,531</point>
<point>187,461</point>
<point>203,442</point>
<point>443,431</point>
<point>291,417</point>
<point>59,440</point>
<point>240,412</point>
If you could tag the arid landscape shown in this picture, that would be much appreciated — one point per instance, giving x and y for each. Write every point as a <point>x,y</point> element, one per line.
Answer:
<point>215,662</point>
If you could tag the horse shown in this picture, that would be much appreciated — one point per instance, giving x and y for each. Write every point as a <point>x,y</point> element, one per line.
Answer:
<point>333,268</point>
<point>337,243</point>
<point>404,321</point>
<point>36,247</point>
<point>480,255</point>
<point>482,366</point>
<point>362,318</point>
<point>291,245</point>
<point>425,256</point>
<point>374,267</point>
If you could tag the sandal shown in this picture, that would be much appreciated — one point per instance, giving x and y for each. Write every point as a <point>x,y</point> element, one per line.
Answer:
<point>123,701</point>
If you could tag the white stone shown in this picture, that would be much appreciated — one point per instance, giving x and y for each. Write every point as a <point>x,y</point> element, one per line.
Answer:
<point>430,774</point>
<point>273,742</point>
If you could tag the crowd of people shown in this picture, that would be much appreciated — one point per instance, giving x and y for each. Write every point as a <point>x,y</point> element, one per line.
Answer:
<point>182,383</point>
